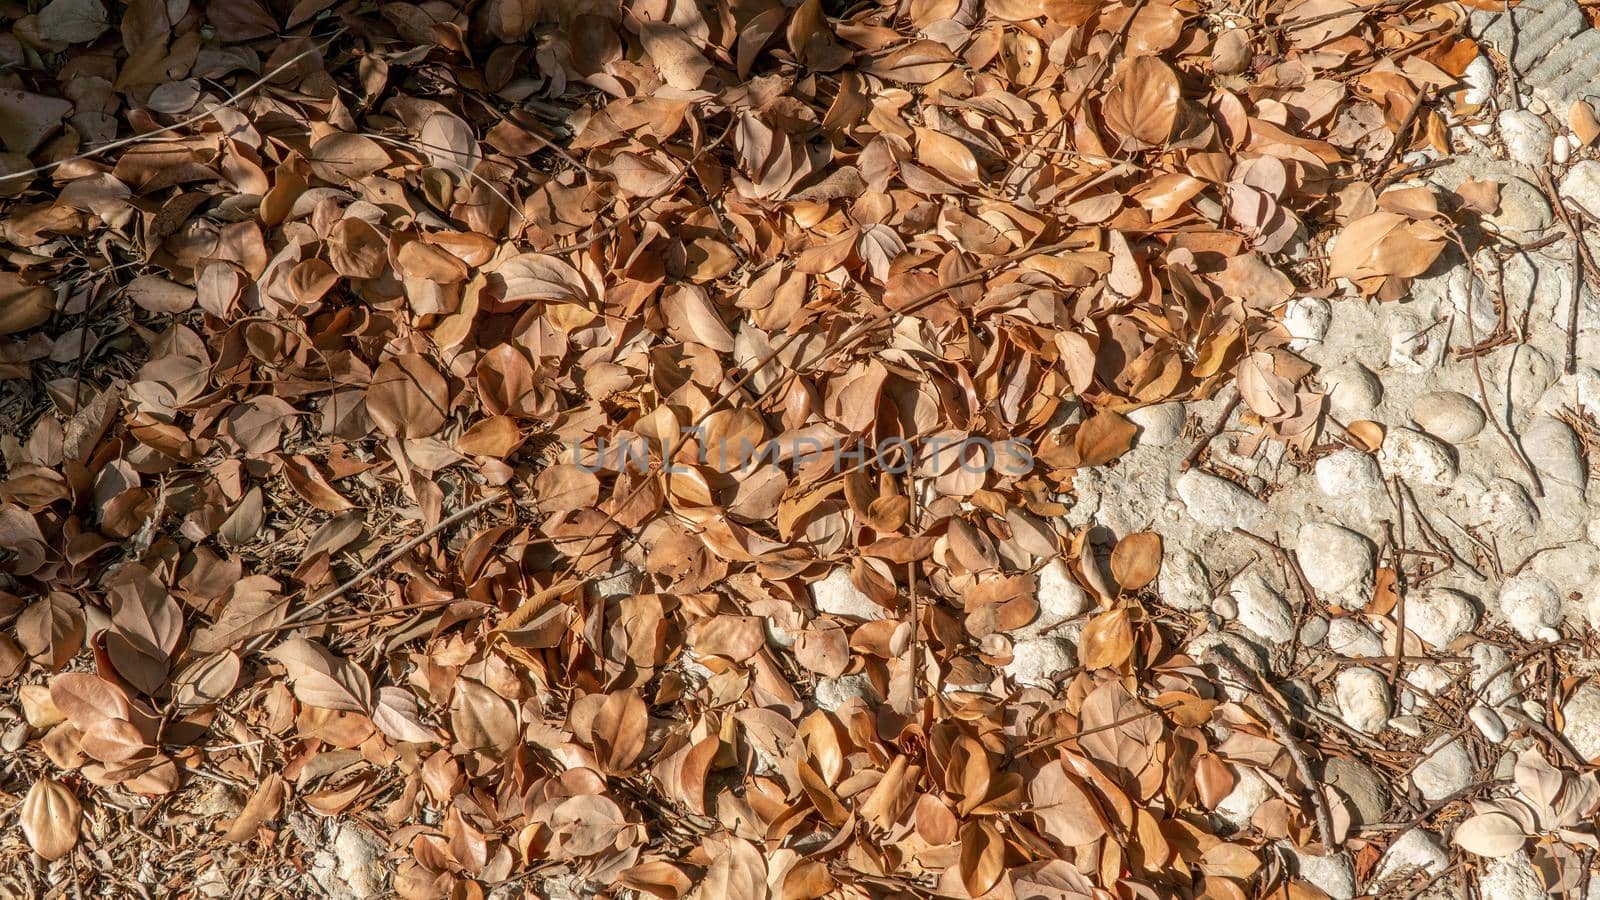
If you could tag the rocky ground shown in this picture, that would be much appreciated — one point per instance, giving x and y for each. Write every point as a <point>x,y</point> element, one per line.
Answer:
<point>1480,491</point>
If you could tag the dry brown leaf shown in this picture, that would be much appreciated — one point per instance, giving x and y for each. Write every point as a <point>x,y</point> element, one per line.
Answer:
<point>50,815</point>
<point>1136,559</point>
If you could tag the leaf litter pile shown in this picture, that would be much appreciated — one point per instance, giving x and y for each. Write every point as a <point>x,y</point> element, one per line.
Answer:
<point>369,372</point>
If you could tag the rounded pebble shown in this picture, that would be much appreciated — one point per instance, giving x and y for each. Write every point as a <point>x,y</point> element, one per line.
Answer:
<point>1555,451</point>
<point>1307,320</point>
<point>1417,851</point>
<point>1448,768</point>
<point>1350,638</point>
<point>1489,723</point>
<point>1219,503</point>
<point>1332,874</point>
<point>1480,80</point>
<point>1348,472</point>
<point>1337,562</point>
<point>1036,662</point>
<point>836,595</point>
<point>1530,604</point>
<point>1448,415</point>
<point>1363,698</point>
<point>1416,457</point>
<point>1581,727</point>
<point>1159,424</point>
<point>1352,389</point>
<point>1314,631</point>
<point>1439,615</point>
<point>1367,792</point>
<point>1581,184</point>
<point>1250,790</point>
<point>1059,598</point>
<point>1526,137</point>
<point>1261,609</point>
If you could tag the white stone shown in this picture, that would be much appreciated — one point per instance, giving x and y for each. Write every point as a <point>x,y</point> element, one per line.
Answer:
<point>836,595</point>
<point>1581,185</point>
<point>1489,723</point>
<point>623,582</point>
<point>1363,698</point>
<point>1561,150</point>
<point>1448,415</point>
<point>1159,424</point>
<point>1262,611</point>
<point>1350,638</point>
<point>1526,136</point>
<point>1524,212</point>
<point>1219,503</point>
<point>1314,631</point>
<point>1439,615</point>
<point>352,864</point>
<point>1307,320</point>
<point>1479,81</point>
<point>1410,726</point>
<point>1333,873</point>
<point>1037,662</point>
<point>1349,472</point>
<point>1491,676</point>
<point>1250,790</point>
<point>1511,878</point>
<point>1447,769</point>
<point>1555,451</point>
<point>833,693</point>
<point>1225,607</point>
<point>1582,725</point>
<point>1059,598</point>
<point>1183,583</point>
<point>1530,372</point>
<point>1530,604</point>
<point>1505,507</point>
<point>1352,389</point>
<point>1337,562</point>
<point>1417,851</point>
<point>1415,344</point>
<point>1428,678</point>
<point>1417,458</point>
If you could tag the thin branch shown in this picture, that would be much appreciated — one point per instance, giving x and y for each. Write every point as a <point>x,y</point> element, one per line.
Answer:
<point>176,126</point>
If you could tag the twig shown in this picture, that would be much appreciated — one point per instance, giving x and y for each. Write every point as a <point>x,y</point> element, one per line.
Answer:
<point>1556,742</point>
<point>1477,374</point>
<point>383,563</point>
<point>176,126</point>
<point>1199,447</point>
<point>1405,126</point>
<point>1511,53</point>
<point>1288,559</point>
<point>1280,730</point>
<point>1399,589</point>
<point>1582,264</point>
<point>644,203</point>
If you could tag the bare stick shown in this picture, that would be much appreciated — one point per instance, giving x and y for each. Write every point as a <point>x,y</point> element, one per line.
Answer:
<point>176,126</point>
<point>383,563</point>
<point>1477,373</point>
<point>1205,439</point>
<point>1280,730</point>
